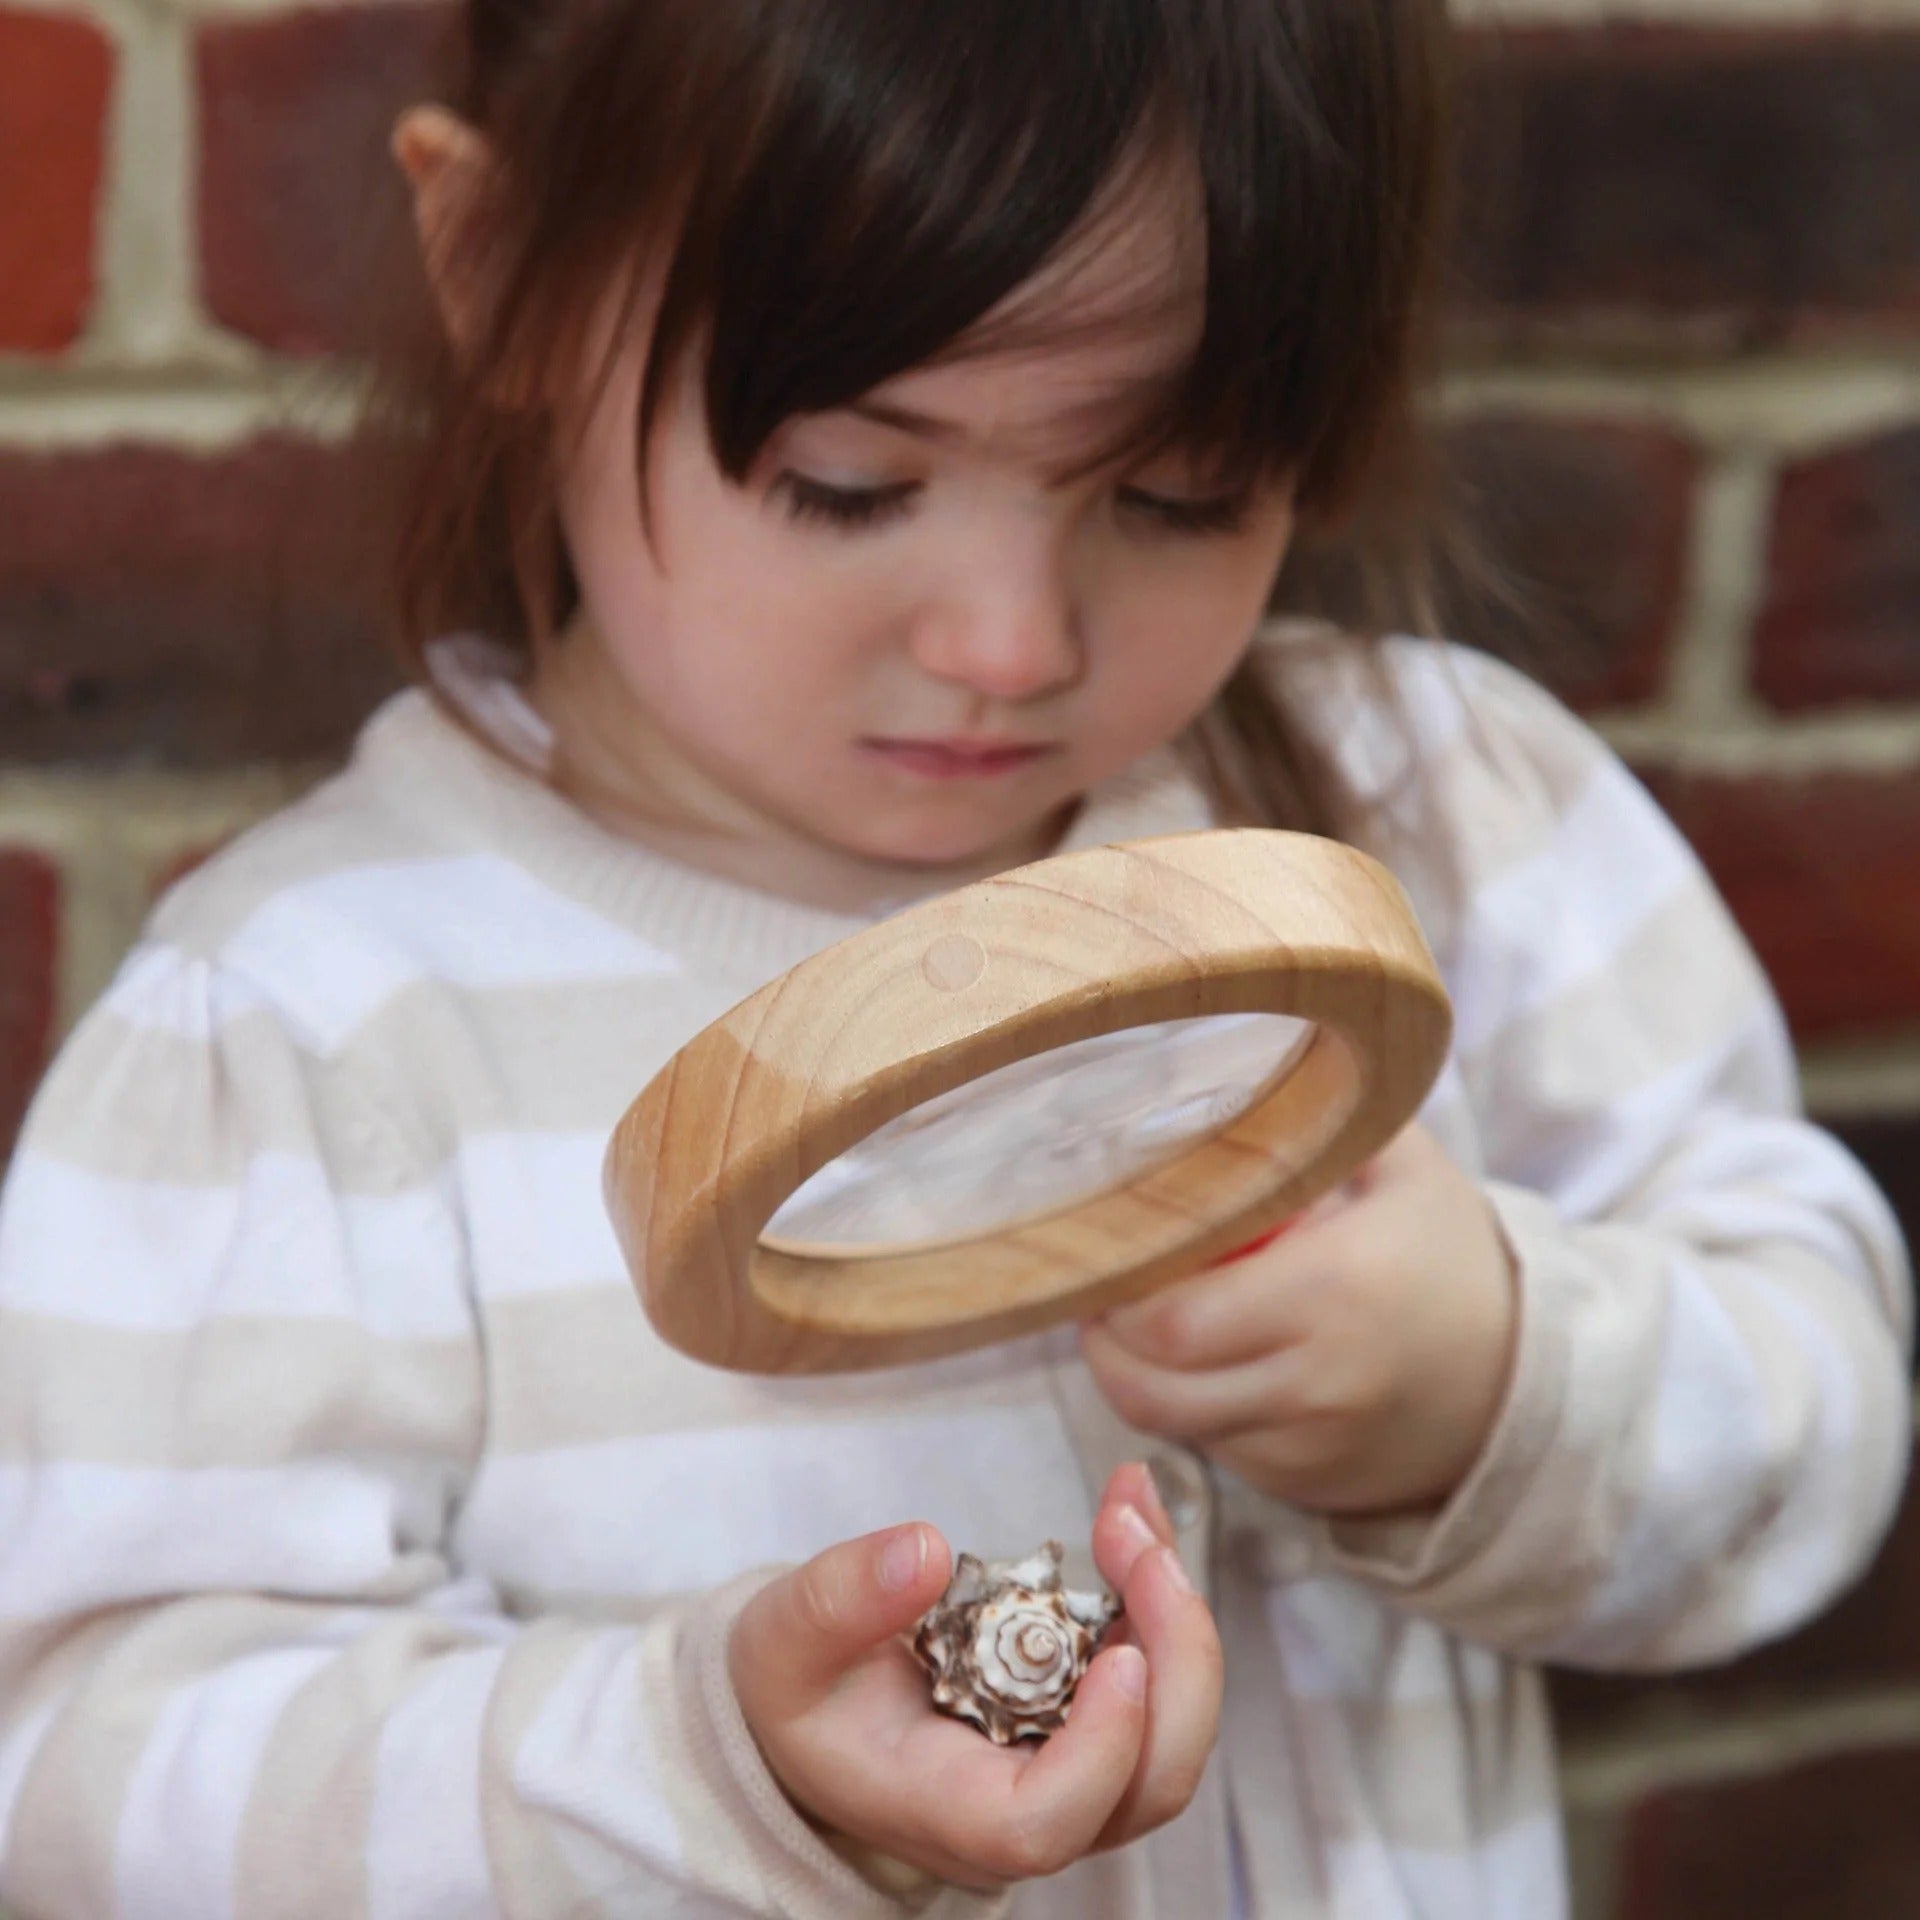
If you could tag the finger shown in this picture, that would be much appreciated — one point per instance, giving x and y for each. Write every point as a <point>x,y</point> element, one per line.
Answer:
<point>1186,1673</point>
<point>802,1631</point>
<point>1222,1318</point>
<point>1196,1407</point>
<point>1059,1803</point>
<point>1412,1150</point>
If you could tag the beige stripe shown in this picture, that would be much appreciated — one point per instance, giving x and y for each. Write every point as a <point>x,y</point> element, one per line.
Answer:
<point>1520,1556</point>
<point>134,1103</point>
<point>532,1877</point>
<point>1589,1047</point>
<point>1483,800</point>
<point>41,1659</point>
<point>576,1367</point>
<point>230,1393</point>
<point>1469,797</point>
<point>138,1104</point>
<point>307,1818</point>
<point>1439,1776</point>
<point>561,1057</point>
<point>727,1849</point>
<point>61,1850</point>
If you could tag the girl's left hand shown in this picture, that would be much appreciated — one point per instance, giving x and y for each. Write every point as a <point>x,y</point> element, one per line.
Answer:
<point>1356,1364</point>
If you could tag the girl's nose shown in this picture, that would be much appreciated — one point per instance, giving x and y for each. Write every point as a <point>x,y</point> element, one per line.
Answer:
<point>1004,638</point>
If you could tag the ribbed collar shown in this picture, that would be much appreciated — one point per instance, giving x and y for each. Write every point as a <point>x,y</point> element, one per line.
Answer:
<point>474,798</point>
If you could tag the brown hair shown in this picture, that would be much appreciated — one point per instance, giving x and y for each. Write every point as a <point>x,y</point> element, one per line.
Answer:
<point>844,188</point>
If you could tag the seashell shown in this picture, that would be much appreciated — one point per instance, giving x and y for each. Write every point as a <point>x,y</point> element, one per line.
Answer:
<point>1007,1643</point>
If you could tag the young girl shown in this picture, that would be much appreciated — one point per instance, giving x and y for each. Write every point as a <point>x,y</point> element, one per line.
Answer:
<point>863,445</point>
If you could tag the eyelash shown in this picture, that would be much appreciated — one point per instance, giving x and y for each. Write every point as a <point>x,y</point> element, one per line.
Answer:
<point>850,508</point>
<point>855,509</point>
<point>1227,513</point>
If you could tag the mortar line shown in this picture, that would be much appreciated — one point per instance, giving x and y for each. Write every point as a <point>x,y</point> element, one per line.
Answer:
<point>1662,1751</point>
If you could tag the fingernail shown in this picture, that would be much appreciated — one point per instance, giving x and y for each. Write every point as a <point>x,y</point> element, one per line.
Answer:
<point>1153,1494</point>
<point>1133,1525</point>
<point>1176,1573</point>
<point>901,1563</point>
<point>1130,1672</point>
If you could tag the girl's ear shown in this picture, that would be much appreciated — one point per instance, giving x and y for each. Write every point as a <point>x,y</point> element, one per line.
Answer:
<point>450,171</point>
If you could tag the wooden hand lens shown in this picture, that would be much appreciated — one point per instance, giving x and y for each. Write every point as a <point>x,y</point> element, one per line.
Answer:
<point>1025,1101</point>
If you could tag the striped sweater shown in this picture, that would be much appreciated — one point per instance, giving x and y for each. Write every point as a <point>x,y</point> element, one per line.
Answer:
<point>363,1553</point>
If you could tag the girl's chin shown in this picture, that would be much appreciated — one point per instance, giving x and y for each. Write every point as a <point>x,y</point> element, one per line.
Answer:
<point>967,854</point>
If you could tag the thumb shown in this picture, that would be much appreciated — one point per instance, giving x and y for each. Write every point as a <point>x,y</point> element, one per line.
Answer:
<point>802,1631</point>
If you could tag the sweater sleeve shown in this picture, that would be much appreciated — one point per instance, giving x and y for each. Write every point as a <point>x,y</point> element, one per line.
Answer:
<point>242,1389</point>
<point>1709,1419</point>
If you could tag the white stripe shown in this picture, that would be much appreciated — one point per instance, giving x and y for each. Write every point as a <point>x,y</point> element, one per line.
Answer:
<point>332,951</point>
<point>1719,1219</point>
<point>587,1763</point>
<point>1814,1542</point>
<point>74,1537</point>
<point>1590,1159</point>
<point>1783,1179</point>
<point>538,1222</point>
<point>157,1257</point>
<point>1710,1436</point>
<point>1531,934</point>
<point>1432,680</point>
<point>426,1844</point>
<point>187,1800</point>
<point>642,1515</point>
<point>159,989</point>
<point>1370,1657</point>
<point>1517,1874</point>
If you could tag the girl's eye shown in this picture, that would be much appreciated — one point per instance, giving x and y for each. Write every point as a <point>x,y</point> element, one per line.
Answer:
<point>847,507</point>
<point>1225,514</point>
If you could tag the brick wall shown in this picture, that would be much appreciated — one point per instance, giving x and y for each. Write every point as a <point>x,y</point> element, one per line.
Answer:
<point>1685,382</point>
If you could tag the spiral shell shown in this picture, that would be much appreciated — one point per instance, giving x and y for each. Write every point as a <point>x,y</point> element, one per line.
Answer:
<point>1007,1643</point>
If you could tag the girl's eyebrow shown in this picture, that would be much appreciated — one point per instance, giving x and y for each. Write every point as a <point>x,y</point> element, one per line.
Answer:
<point>945,432</point>
<point>927,426</point>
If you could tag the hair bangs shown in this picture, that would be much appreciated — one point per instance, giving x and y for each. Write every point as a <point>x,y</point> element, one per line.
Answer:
<point>909,170</point>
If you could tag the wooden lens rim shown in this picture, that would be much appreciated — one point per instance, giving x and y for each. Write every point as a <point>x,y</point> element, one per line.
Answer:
<point>1192,925</point>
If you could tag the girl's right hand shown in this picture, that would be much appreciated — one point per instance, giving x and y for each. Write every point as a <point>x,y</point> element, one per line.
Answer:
<point>841,1710</point>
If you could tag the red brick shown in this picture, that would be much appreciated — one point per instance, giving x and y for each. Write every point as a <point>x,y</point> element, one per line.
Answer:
<point>1751,186</point>
<point>56,75</point>
<point>1841,620</point>
<point>301,212</point>
<point>1824,874</point>
<point>1833,1839</point>
<point>1587,523</point>
<point>186,609</point>
<point>29,955</point>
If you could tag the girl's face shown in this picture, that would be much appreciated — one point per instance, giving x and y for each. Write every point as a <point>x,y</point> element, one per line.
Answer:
<point>906,640</point>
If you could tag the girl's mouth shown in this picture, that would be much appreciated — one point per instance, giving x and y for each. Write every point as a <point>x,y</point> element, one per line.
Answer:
<point>957,759</point>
